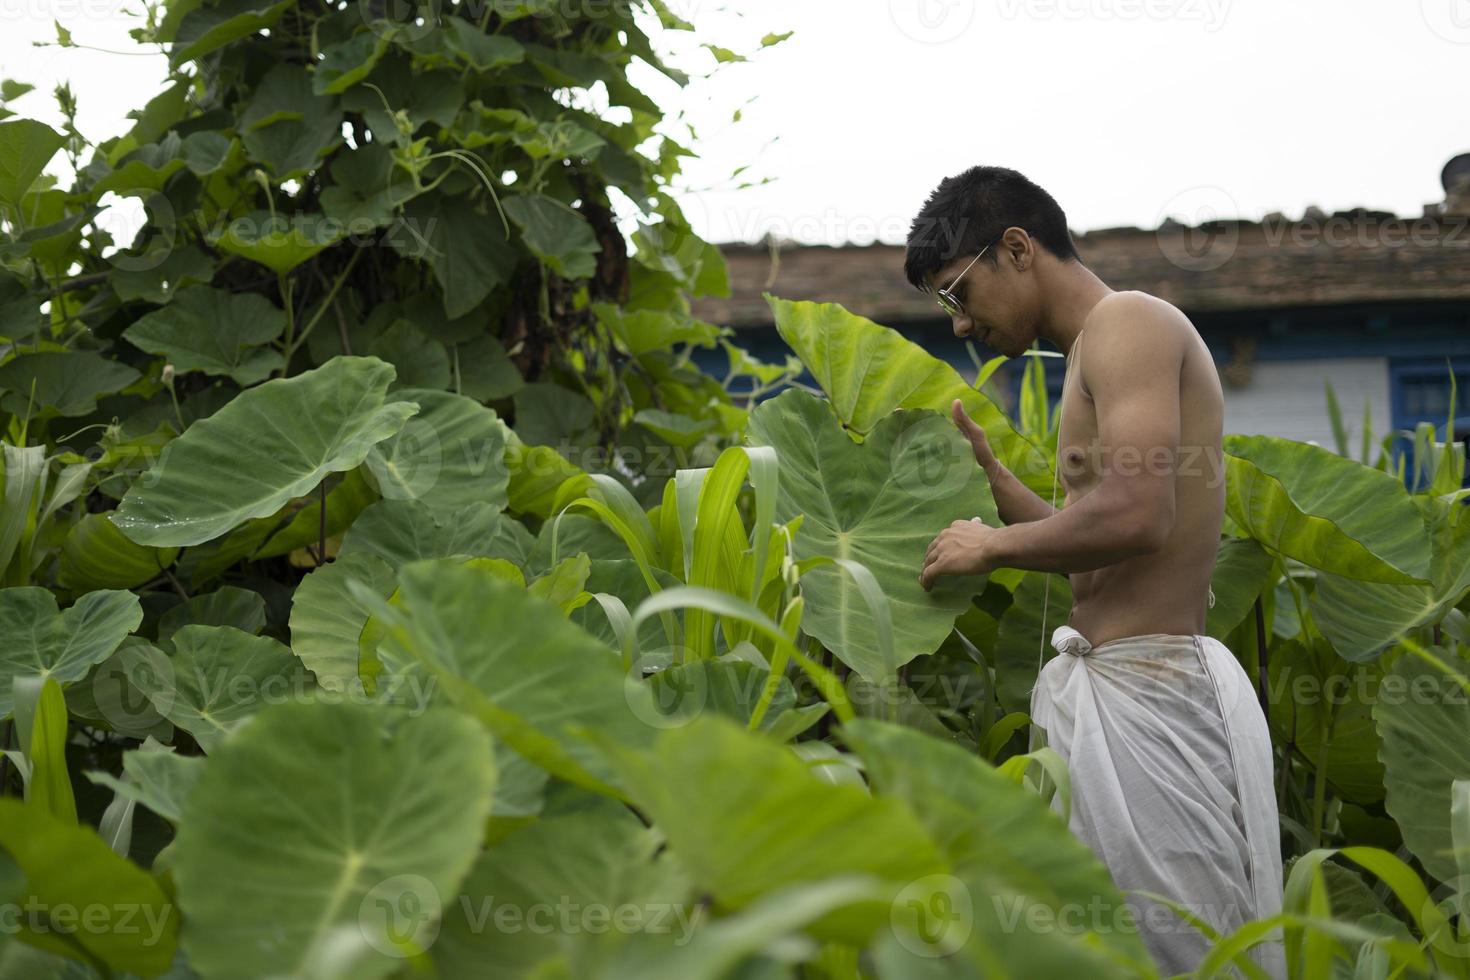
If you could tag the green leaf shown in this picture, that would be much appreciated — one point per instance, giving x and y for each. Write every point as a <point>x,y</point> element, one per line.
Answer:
<point>244,609</point>
<point>401,531</point>
<point>214,331</point>
<point>366,189</point>
<point>555,234</point>
<point>155,776</point>
<point>878,503</point>
<point>868,371</point>
<point>271,443</point>
<point>1016,854</point>
<point>1423,712</point>
<point>467,250</point>
<point>40,640</point>
<point>601,856</point>
<point>420,360</point>
<point>211,27</point>
<point>450,455</point>
<point>277,242</point>
<point>26,146</point>
<point>514,662</point>
<point>1321,702</point>
<point>66,383</point>
<point>1242,572</point>
<point>348,62</point>
<point>96,555</point>
<point>217,677</point>
<point>326,819</point>
<point>326,621</point>
<point>1332,513</point>
<point>724,799</point>
<point>1363,618</point>
<point>69,867</point>
<point>486,52</point>
<point>206,152</point>
<point>49,788</point>
<point>158,274</point>
<point>1020,640</point>
<point>287,126</point>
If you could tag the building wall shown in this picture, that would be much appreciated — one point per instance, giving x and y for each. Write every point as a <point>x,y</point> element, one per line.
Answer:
<point>1288,399</point>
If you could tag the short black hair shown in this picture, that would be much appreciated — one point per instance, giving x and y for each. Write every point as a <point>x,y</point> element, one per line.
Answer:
<point>970,210</point>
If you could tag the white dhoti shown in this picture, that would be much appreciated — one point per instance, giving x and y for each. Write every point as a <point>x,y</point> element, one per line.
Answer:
<point>1171,770</point>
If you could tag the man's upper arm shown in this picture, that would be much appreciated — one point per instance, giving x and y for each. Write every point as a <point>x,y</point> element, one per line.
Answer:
<point>1132,357</point>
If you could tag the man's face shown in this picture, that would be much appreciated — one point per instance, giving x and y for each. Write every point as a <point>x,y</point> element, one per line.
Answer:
<point>995,311</point>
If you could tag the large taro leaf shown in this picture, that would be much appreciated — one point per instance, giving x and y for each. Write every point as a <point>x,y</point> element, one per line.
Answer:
<point>1363,618</point>
<point>450,455</point>
<point>1021,644</point>
<point>1423,716</point>
<point>96,555</point>
<point>40,641</point>
<point>324,819</point>
<point>1323,509</point>
<point>269,444</point>
<point>1016,857</point>
<point>155,776</point>
<point>1242,572</point>
<point>869,370</point>
<point>217,677</point>
<point>67,867</point>
<point>214,331</point>
<point>401,531</point>
<point>1319,702</point>
<point>725,798</point>
<point>512,660</point>
<point>878,503</point>
<point>326,621</point>
<point>601,856</point>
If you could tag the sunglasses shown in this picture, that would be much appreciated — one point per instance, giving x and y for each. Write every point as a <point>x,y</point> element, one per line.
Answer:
<point>947,300</point>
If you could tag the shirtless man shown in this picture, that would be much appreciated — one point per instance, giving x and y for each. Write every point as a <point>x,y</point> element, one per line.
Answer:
<point>1168,750</point>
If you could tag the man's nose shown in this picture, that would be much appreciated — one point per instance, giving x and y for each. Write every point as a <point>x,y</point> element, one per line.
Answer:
<point>962,326</point>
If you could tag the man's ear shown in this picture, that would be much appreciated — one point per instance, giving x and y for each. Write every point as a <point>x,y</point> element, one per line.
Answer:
<point>1017,246</point>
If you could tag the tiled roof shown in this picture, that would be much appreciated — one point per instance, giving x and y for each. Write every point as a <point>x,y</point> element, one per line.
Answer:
<point>1316,260</point>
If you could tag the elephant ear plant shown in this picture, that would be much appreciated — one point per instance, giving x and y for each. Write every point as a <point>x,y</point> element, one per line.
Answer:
<point>387,590</point>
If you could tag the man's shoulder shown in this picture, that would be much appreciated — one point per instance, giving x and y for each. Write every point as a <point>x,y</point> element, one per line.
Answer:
<point>1132,306</point>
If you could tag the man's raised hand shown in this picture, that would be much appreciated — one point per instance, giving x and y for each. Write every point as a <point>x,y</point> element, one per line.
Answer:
<point>976,435</point>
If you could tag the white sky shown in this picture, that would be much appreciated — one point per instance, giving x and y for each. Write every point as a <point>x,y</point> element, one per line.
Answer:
<point>1126,110</point>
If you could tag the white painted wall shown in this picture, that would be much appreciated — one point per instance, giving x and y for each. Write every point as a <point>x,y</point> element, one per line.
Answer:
<point>1287,399</point>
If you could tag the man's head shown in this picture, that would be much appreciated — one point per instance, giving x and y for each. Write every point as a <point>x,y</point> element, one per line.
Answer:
<point>1025,231</point>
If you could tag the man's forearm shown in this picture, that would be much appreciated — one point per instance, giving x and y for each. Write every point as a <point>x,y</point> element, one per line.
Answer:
<point>1087,535</point>
<point>1014,501</point>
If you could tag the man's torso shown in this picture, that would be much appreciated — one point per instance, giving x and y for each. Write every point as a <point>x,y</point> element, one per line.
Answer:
<point>1162,592</point>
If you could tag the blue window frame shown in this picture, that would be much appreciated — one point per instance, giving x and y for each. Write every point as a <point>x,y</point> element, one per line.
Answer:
<point>1420,392</point>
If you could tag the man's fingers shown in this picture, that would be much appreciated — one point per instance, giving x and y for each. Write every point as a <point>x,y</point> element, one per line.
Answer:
<point>968,426</point>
